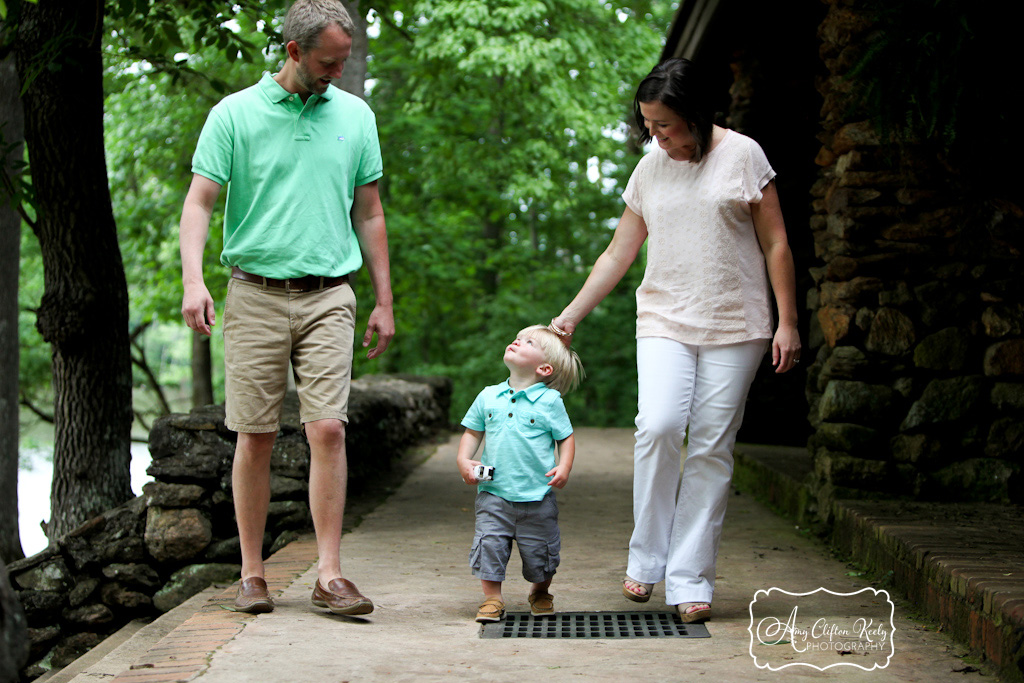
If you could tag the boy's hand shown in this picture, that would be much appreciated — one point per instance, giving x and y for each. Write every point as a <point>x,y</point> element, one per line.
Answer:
<point>466,470</point>
<point>468,446</point>
<point>559,477</point>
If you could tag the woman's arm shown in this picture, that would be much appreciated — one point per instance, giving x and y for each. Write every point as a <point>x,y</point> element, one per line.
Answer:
<point>607,271</point>
<point>771,234</point>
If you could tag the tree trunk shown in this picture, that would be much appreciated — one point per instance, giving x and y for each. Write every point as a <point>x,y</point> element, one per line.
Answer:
<point>353,78</point>
<point>202,371</point>
<point>11,131</point>
<point>84,309</point>
<point>13,631</point>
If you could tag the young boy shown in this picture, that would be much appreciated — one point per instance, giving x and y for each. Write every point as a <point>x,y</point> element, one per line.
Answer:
<point>523,418</point>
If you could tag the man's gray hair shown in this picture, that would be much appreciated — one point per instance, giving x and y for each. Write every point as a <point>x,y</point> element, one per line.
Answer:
<point>308,18</point>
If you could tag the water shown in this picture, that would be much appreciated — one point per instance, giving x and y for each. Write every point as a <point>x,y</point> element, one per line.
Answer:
<point>34,492</point>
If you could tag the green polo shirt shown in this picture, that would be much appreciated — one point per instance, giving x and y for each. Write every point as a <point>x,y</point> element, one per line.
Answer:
<point>520,430</point>
<point>291,170</point>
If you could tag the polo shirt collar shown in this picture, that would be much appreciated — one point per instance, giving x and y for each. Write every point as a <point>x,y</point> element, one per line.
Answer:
<point>531,393</point>
<point>276,94</point>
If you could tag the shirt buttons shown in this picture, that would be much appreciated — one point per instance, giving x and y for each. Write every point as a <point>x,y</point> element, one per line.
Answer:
<point>513,400</point>
<point>510,414</point>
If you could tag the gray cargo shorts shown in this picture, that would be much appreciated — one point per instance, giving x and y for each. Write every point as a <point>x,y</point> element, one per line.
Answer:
<point>533,526</point>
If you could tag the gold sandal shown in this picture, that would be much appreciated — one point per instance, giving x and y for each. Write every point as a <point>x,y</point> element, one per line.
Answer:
<point>694,612</point>
<point>636,597</point>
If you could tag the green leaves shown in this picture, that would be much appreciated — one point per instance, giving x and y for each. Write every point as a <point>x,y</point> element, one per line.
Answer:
<point>499,122</point>
<point>489,124</point>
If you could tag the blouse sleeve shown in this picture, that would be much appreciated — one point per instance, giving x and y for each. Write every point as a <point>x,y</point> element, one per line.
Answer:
<point>632,195</point>
<point>757,173</point>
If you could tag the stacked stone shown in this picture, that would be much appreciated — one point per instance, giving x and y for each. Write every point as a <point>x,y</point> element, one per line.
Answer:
<point>156,551</point>
<point>917,388</point>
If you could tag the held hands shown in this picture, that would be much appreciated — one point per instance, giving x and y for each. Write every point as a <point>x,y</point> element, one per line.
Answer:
<point>197,309</point>
<point>785,348</point>
<point>381,323</point>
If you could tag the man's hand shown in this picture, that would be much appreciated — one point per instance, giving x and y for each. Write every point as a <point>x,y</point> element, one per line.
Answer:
<point>381,323</point>
<point>197,309</point>
<point>196,303</point>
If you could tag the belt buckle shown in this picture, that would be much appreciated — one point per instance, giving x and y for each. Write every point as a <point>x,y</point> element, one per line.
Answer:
<point>302,284</point>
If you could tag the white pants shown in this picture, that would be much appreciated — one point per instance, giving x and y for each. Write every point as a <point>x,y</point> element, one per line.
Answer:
<point>678,519</point>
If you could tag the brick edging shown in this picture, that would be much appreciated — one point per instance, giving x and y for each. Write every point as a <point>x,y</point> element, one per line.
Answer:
<point>184,653</point>
<point>974,595</point>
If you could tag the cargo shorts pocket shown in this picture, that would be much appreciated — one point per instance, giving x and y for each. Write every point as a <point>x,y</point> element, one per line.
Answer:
<point>474,553</point>
<point>554,556</point>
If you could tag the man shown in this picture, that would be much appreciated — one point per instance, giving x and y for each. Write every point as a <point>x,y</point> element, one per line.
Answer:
<point>301,160</point>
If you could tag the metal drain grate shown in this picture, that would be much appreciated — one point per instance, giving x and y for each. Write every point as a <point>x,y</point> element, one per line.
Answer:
<point>593,625</point>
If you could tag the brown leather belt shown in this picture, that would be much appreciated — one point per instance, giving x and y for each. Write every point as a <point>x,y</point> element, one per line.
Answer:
<point>306,283</point>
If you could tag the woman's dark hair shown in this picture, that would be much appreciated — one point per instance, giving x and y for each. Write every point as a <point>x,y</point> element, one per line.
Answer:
<point>680,86</point>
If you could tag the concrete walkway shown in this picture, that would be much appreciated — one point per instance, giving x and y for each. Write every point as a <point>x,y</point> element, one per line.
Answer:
<point>409,556</point>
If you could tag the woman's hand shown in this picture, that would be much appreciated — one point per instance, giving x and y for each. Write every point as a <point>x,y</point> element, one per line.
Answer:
<point>564,328</point>
<point>785,348</point>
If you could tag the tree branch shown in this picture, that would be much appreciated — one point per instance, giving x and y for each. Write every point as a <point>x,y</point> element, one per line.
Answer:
<point>387,20</point>
<point>140,362</point>
<point>27,402</point>
<point>142,421</point>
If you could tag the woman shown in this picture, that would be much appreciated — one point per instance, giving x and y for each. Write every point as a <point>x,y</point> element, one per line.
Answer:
<point>705,201</point>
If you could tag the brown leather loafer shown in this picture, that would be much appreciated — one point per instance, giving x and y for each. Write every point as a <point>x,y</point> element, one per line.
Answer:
<point>341,597</point>
<point>253,596</point>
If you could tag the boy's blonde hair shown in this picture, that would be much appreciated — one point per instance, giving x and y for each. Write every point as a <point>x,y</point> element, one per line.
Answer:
<point>566,368</point>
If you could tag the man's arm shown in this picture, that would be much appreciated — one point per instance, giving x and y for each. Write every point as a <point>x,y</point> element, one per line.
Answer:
<point>196,303</point>
<point>371,231</point>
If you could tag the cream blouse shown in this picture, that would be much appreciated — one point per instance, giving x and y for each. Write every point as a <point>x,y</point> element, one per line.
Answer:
<point>706,280</point>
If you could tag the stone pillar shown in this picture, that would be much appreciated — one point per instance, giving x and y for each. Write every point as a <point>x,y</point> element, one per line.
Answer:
<point>917,387</point>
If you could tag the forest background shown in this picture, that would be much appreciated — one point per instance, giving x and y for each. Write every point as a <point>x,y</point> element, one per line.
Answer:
<point>505,130</point>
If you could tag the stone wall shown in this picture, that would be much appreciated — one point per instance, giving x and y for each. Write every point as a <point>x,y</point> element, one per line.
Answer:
<point>157,550</point>
<point>917,383</point>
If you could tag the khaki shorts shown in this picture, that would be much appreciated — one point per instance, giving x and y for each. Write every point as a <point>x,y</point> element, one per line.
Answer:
<point>264,328</point>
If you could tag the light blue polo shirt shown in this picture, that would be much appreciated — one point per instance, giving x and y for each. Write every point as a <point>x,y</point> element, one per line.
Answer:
<point>291,170</point>
<point>521,428</point>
